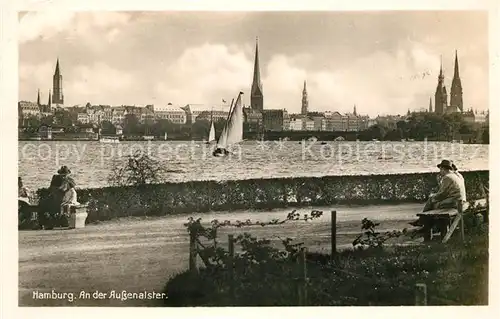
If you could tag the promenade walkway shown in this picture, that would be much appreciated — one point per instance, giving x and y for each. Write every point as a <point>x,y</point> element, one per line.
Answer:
<point>135,254</point>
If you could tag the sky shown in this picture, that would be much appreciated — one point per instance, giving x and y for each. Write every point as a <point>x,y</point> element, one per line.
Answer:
<point>382,62</point>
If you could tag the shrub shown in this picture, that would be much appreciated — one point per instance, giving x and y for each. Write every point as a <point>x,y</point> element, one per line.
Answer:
<point>203,196</point>
<point>265,276</point>
<point>138,169</point>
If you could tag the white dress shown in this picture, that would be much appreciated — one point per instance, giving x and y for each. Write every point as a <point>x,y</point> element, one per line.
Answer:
<point>69,199</point>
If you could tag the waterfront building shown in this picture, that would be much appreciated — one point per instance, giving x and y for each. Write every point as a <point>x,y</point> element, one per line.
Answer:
<point>334,121</point>
<point>118,115</point>
<point>83,118</point>
<point>320,123</point>
<point>296,123</point>
<point>147,116</point>
<point>194,110</point>
<point>26,109</point>
<point>215,115</point>
<point>275,120</point>
<point>352,122</point>
<point>174,114</point>
<point>253,119</point>
<point>308,124</point>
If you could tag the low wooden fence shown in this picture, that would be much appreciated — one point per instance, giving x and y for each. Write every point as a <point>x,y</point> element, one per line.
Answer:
<point>301,278</point>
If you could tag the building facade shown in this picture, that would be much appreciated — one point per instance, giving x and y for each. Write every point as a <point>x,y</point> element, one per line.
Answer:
<point>174,114</point>
<point>275,120</point>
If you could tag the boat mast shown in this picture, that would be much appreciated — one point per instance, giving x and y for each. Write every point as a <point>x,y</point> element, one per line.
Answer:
<point>230,110</point>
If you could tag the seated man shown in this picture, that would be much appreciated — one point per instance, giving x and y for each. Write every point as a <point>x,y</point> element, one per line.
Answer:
<point>451,188</point>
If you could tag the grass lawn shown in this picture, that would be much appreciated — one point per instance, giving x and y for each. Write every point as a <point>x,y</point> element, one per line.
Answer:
<point>455,273</point>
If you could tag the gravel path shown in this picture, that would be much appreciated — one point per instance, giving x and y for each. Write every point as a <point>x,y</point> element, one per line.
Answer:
<point>139,255</point>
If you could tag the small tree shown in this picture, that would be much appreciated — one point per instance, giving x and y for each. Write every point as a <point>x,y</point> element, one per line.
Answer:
<point>138,169</point>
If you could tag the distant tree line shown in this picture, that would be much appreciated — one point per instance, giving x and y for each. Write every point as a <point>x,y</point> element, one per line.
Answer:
<point>430,126</point>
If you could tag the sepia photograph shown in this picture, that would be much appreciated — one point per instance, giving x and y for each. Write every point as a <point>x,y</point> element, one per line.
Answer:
<point>253,158</point>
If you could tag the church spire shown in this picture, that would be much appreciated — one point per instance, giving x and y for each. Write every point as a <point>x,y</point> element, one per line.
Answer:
<point>50,101</point>
<point>440,97</point>
<point>354,111</point>
<point>456,93</point>
<point>57,72</point>
<point>305,100</point>
<point>38,98</point>
<point>58,97</point>
<point>430,104</point>
<point>456,73</point>
<point>441,76</point>
<point>256,94</point>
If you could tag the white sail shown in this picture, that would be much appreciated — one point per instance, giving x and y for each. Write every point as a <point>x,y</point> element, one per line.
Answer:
<point>233,130</point>
<point>211,135</point>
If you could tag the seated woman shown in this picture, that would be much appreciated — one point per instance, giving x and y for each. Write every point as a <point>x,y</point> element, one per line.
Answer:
<point>24,212</point>
<point>70,197</point>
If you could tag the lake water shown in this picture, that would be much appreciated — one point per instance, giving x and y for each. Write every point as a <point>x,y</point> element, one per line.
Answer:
<point>91,162</point>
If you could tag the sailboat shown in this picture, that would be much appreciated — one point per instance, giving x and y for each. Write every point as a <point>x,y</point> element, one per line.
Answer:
<point>211,135</point>
<point>233,129</point>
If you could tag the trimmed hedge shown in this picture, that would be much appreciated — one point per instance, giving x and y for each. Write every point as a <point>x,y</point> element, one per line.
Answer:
<point>202,196</point>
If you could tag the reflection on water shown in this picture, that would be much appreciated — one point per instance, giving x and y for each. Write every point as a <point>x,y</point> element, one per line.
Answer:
<point>91,162</point>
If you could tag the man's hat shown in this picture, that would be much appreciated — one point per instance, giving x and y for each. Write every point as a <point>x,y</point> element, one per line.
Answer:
<point>445,164</point>
<point>64,170</point>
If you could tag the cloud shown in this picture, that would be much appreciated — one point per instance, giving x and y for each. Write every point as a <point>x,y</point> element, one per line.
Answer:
<point>83,26</point>
<point>93,82</point>
<point>33,77</point>
<point>379,83</point>
<point>43,24</point>
<point>143,58</point>
<point>204,74</point>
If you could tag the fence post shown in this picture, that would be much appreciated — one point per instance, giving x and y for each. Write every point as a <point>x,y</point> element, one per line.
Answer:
<point>192,253</point>
<point>302,278</point>
<point>230,265</point>
<point>420,295</point>
<point>333,234</point>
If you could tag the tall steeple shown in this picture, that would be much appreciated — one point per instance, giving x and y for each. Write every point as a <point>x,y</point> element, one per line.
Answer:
<point>38,98</point>
<point>57,97</point>
<point>49,105</point>
<point>305,100</point>
<point>354,110</point>
<point>430,104</point>
<point>456,94</point>
<point>440,97</point>
<point>256,94</point>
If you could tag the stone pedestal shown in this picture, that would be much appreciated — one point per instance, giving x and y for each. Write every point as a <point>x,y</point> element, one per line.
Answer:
<point>77,216</point>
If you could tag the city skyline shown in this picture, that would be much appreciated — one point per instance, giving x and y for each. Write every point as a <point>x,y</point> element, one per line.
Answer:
<point>389,72</point>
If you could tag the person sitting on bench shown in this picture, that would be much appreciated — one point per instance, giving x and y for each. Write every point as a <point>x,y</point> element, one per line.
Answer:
<point>451,189</point>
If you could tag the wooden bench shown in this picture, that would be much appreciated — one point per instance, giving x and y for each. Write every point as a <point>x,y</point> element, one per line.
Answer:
<point>445,220</point>
<point>76,215</point>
